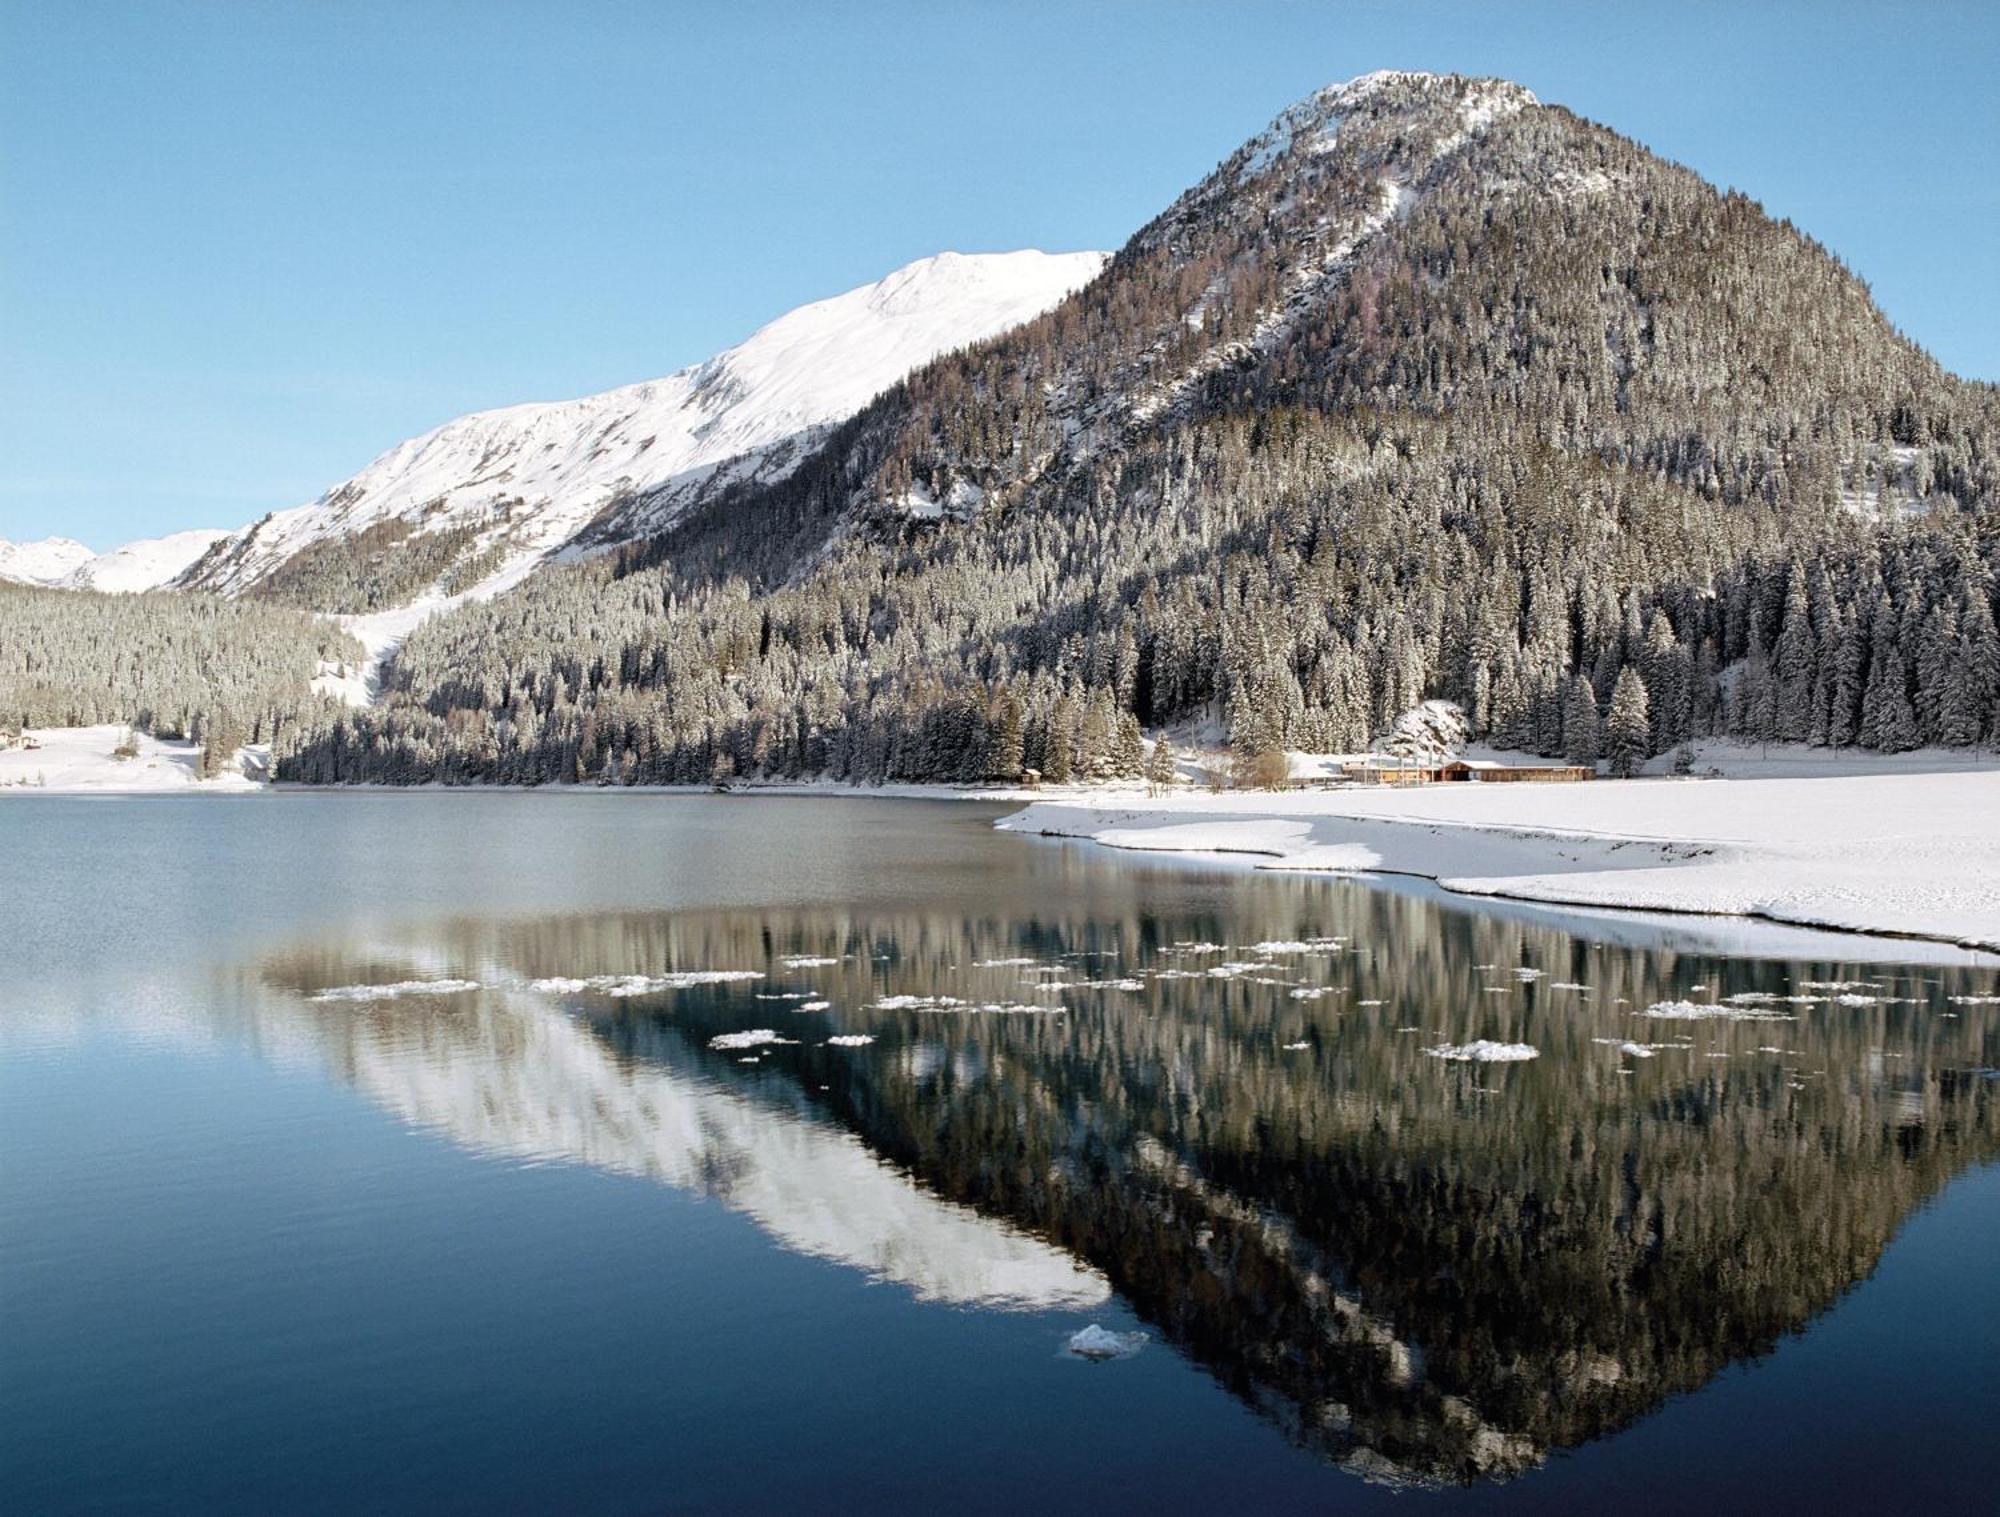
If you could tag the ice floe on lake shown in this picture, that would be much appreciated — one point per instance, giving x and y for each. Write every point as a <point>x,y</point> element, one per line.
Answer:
<point>1711,1011</point>
<point>850,1040</point>
<point>1636,1050</point>
<point>395,988</point>
<point>755,1037</point>
<point>641,984</point>
<point>1484,1051</point>
<point>1099,1345</point>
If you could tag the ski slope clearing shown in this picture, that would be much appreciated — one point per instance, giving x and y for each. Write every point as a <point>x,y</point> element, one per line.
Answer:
<point>71,759</point>
<point>1911,854</point>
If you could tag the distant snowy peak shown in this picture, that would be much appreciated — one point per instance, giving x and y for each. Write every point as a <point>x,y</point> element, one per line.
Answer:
<point>47,562</point>
<point>147,564</point>
<point>528,479</point>
<point>60,563</point>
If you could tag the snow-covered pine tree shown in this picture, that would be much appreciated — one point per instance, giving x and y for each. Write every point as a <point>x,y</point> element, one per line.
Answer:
<point>1628,731</point>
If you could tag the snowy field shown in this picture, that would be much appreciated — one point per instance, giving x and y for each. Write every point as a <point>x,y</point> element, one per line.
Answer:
<point>74,759</point>
<point>1899,849</point>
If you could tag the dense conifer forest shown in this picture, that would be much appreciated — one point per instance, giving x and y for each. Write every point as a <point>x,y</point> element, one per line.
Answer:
<point>174,665</point>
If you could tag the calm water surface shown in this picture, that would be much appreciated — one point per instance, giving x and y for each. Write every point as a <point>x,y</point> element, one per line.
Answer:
<point>287,1224</point>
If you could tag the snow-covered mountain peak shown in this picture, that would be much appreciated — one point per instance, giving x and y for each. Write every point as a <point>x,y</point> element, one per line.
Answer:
<point>524,481</point>
<point>46,562</point>
<point>62,563</point>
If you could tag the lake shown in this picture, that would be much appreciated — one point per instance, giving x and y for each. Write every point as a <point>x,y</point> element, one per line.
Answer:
<point>617,1153</point>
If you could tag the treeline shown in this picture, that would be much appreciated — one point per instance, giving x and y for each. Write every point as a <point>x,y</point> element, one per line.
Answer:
<point>175,665</point>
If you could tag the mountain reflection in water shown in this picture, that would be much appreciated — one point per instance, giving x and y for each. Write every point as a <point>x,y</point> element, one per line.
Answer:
<point>1429,1271</point>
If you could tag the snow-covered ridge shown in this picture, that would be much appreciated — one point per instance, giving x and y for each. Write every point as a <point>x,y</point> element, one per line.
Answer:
<point>530,478</point>
<point>64,564</point>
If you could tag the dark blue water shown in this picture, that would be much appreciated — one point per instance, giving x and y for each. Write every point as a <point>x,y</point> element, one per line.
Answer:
<point>536,1247</point>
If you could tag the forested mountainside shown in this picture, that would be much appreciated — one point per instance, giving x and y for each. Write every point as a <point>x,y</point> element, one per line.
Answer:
<point>197,666</point>
<point>1429,390</point>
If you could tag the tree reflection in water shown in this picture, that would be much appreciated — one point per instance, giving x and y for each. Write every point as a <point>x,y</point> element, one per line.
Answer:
<point>1428,1271</point>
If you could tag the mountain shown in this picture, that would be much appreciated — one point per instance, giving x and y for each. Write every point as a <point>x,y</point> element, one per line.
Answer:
<point>480,501</point>
<point>47,562</point>
<point>148,564</point>
<point>1429,390</point>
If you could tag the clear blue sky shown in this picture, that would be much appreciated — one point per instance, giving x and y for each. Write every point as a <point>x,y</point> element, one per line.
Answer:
<point>245,247</point>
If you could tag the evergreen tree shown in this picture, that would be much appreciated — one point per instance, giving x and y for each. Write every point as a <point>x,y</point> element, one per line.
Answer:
<point>1580,739</point>
<point>1628,730</point>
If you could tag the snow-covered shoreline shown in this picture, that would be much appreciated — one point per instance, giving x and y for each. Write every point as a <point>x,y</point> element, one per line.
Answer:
<point>1900,855</point>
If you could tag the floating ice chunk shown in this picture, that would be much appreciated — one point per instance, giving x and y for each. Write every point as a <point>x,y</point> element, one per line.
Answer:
<point>1850,999</point>
<point>1367,1003</point>
<point>850,1040</point>
<point>1126,982</point>
<point>642,984</point>
<point>1004,963</point>
<point>1296,945</point>
<point>1196,947</point>
<point>1835,984</point>
<point>755,1037</point>
<point>1294,1047</point>
<point>806,961</point>
<point>1484,1051</point>
<point>1750,998</point>
<point>814,1006</point>
<point>1692,1011</point>
<point>1974,1000</point>
<point>1235,967</point>
<point>1636,1050</point>
<point>1309,992</point>
<point>1566,985</point>
<point>918,1003</point>
<point>1099,1344</point>
<point>1528,976</point>
<point>396,988</point>
<point>783,995</point>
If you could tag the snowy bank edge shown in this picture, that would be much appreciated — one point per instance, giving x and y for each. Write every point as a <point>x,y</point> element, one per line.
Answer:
<point>1035,819</point>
